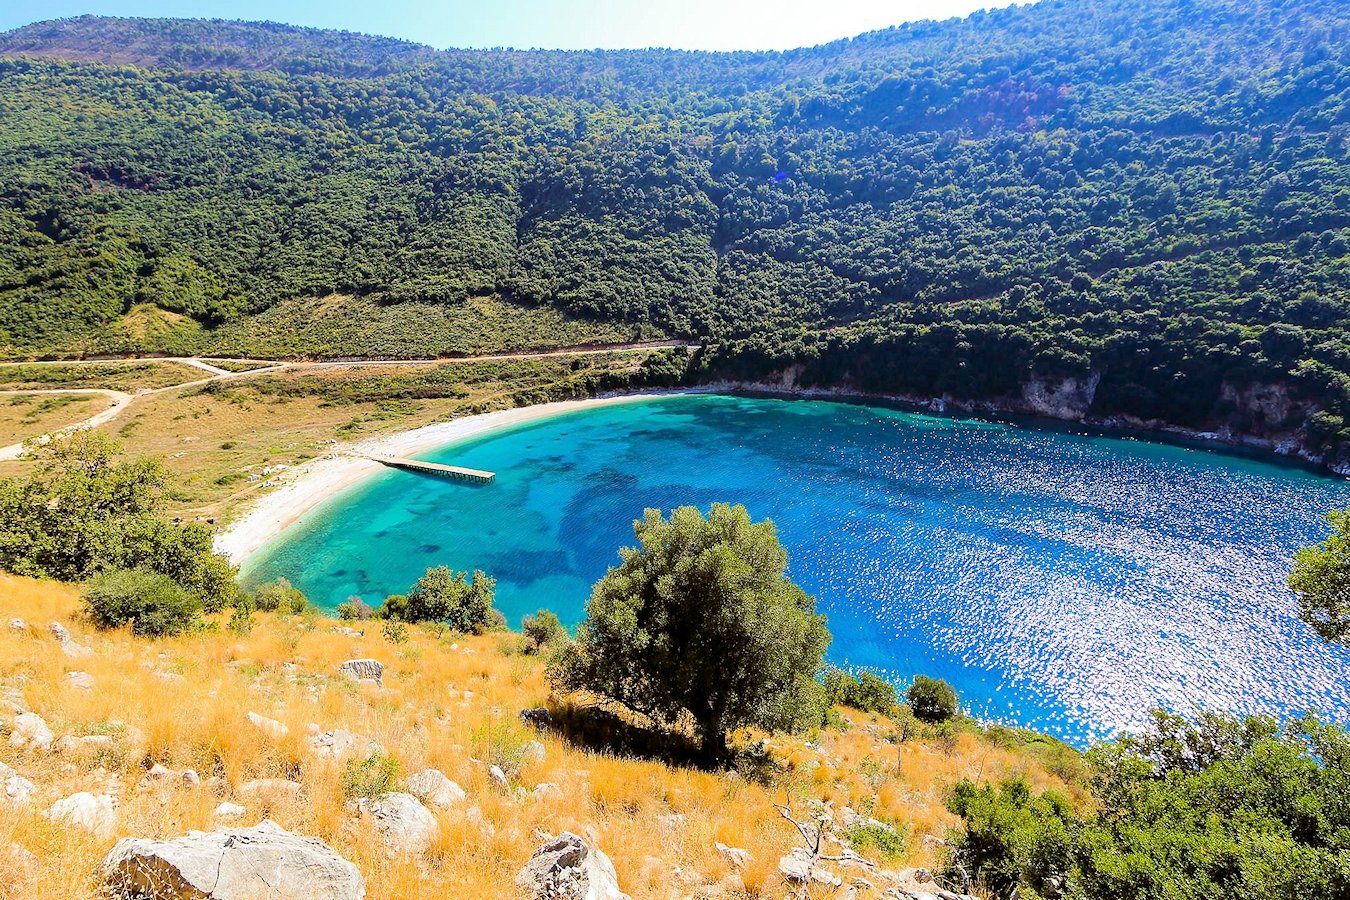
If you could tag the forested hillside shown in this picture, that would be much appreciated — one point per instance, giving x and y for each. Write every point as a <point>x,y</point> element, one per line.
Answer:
<point>1136,209</point>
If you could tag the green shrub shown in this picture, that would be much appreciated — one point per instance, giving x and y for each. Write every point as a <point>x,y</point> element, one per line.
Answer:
<point>395,632</point>
<point>373,776</point>
<point>866,692</point>
<point>444,596</point>
<point>153,604</point>
<point>280,596</point>
<point>543,629</point>
<point>883,838</point>
<point>932,700</point>
<point>355,609</point>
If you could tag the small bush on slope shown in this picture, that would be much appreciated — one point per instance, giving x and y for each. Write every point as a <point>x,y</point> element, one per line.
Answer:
<point>153,604</point>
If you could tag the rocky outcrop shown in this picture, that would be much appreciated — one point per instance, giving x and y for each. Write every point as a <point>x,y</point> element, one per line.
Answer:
<point>363,670</point>
<point>431,786</point>
<point>15,790</point>
<point>231,864</point>
<point>1063,398</point>
<point>403,823</point>
<point>270,727</point>
<point>69,646</point>
<point>96,814</point>
<point>270,790</point>
<point>30,732</point>
<point>339,743</point>
<point>799,867</point>
<point>566,868</point>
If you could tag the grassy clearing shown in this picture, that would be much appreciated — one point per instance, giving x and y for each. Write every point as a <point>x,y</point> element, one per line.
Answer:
<point>223,441</point>
<point>129,376</point>
<point>26,415</point>
<point>451,703</point>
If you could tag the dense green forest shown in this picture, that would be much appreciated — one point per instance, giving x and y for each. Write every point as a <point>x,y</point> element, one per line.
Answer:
<point>1147,202</point>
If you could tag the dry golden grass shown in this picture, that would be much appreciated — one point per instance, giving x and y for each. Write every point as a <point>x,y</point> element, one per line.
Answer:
<point>448,703</point>
<point>26,415</point>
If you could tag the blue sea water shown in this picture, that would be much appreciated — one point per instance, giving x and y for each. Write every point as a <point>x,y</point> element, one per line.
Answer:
<point>1062,582</point>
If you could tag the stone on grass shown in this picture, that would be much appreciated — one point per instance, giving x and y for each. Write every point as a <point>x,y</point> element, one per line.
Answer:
<point>498,778</point>
<point>738,857</point>
<point>82,680</point>
<point>15,790</point>
<point>227,811</point>
<point>270,727</point>
<point>68,644</point>
<point>402,822</point>
<point>431,786</point>
<point>567,868</point>
<point>270,789</point>
<point>533,752</point>
<point>18,625</point>
<point>363,670</point>
<point>96,814</point>
<point>339,743</point>
<point>539,717</point>
<point>30,732</point>
<point>231,864</point>
<point>798,867</point>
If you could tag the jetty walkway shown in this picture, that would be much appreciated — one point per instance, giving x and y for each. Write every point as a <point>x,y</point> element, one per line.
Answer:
<point>430,468</point>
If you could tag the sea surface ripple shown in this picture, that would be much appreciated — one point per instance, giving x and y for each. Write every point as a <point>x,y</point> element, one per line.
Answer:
<point>1061,582</point>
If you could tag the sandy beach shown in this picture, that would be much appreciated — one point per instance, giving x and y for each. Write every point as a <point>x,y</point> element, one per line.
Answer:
<point>309,485</point>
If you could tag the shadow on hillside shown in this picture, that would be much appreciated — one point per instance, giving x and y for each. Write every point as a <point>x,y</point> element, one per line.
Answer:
<point>603,730</point>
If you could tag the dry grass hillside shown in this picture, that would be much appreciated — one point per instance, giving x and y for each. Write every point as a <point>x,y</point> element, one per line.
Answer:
<point>447,702</point>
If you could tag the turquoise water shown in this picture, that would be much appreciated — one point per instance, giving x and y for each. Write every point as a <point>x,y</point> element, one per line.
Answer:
<point>1061,582</point>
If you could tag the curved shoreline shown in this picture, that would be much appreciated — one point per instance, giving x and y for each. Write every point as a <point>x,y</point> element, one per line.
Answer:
<point>329,475</point>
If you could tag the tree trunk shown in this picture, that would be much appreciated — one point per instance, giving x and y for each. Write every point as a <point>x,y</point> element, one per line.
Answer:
<point>713,749</point>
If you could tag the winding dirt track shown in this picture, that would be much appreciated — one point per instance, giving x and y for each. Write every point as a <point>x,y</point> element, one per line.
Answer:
<point>122,401</point>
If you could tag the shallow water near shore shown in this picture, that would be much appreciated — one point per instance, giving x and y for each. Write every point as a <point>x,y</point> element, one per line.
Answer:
<point>1060,582</point>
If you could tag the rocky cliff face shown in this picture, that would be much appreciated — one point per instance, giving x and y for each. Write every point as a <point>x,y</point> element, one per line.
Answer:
<point>1065,398</point>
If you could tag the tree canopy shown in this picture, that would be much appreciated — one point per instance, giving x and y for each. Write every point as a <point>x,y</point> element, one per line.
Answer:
<point>85,510</point>
<point>1222,807</point>
<point>699,624</point>
<point>1321,581</point>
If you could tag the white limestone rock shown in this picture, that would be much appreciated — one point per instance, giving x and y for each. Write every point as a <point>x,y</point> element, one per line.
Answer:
<point>431,786</point>
<point>231,864</point>
<point>567,868</point>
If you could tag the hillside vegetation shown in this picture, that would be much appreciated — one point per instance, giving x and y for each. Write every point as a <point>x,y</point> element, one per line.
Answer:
<point>1136,211</point>
<point>448,702</point>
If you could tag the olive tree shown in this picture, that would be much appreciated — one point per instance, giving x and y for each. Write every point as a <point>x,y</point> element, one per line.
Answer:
<point>444,596</point>
<point>1321,581</point>
<point>699,624</point>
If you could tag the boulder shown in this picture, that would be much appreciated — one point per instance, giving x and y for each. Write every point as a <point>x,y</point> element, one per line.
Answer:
<point>363,670</point>
<point>231,864</point>
<point>270,727</point>
<point>18,625</point>
<point>539,717</point>
<point>735,855</point>
<point>533,751</point>
<point>94,814</point>
<point>799,867</point>
<point>228,811</point>
<point>15,790</point>
<point>566,868</point>
<point>30,732</point>
<point>82,680</point>
<point>270,789</point>
<point>88,743</point>
<point>403,823</point>
<point>498,778</point>
<point>339,743</point>
<point>431,786</point>
<point>68,645</point>
<point>547,790</point>
<point>161,777</point>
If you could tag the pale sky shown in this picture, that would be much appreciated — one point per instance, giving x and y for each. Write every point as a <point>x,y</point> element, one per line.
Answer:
<point>567,24</point>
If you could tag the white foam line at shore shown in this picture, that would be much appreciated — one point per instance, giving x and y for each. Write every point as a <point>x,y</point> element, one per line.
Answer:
<point>322,478</point>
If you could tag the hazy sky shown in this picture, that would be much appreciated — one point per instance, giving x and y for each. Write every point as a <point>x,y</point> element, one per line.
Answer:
<point>572,24</point>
